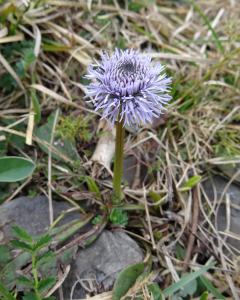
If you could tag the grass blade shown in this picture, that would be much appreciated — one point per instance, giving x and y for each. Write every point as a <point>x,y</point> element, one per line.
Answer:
<point>209,286</point>
<point>210,28</point>
<point>185,280</point>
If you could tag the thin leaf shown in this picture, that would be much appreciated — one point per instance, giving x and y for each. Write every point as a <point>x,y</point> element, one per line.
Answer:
<point>5,254</point>
<point>185,280</point>
<point>42,242</point>
<point>5,293</point>
<point>55,47</point>
<point>205,19</point>
<point>67,230</point>
<point>209,286</point>
<point>45,258</point>
<point>46,284</point>
<point>21,245</point>
<point>30,296</point>
<point>92,186</point>
<point>36,106</point>
<point>8,274</point>
<point>23,280</point>
<point>22,234</point>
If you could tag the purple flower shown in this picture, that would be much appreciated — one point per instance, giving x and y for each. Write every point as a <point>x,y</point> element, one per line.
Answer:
<point>126,86</point>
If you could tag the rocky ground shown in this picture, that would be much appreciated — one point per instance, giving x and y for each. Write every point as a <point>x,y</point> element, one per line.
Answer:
<point>181,173</point>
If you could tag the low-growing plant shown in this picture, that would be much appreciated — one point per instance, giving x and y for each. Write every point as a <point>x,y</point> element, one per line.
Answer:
<point>74,128</point>
<point>135,282</point>
<point>129,90</point>
<point>30,286</point>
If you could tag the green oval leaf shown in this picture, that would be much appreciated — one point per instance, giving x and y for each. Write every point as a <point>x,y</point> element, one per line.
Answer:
<point>13,168</point>
<point>204,296</point>
<point>126,280</point>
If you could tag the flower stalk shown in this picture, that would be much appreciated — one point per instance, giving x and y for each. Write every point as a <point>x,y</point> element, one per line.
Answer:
<point>118,163</point>
<point>129,90</point>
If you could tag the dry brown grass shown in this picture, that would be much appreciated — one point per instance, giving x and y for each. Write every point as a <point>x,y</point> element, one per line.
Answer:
<point>199,133</point>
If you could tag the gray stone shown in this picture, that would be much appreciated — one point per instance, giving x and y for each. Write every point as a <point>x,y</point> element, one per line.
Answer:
<point>231,170</point>
<point>233,192</point>
<point>97,266</point>
<point>32,214</point>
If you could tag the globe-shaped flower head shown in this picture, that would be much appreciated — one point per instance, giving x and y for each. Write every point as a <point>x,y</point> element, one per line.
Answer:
<point>128,87</point>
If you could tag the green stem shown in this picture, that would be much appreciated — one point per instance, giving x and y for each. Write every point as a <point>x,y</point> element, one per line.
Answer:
<point>118,164</point>
<point>35,276</point>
